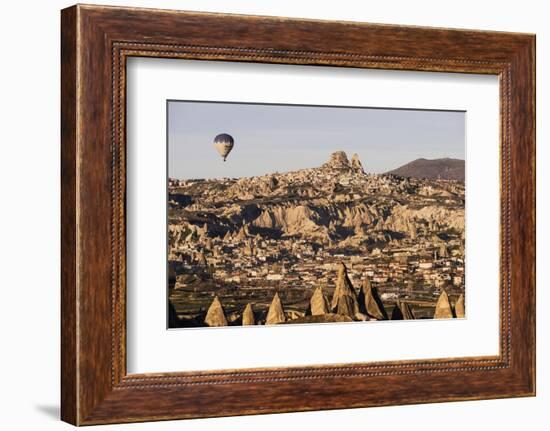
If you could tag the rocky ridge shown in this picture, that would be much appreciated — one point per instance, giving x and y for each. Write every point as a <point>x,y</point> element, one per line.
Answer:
<point>444,169</point>
<point>243,240</point>
<point>330,204</point>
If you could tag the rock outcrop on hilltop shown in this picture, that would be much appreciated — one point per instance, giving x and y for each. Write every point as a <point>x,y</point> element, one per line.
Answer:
<point>336,202</point>
<point>356,164</point>
<point>338,160</point>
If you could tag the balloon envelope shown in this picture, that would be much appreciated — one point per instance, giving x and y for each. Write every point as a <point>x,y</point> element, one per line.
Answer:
<point>223,144</point>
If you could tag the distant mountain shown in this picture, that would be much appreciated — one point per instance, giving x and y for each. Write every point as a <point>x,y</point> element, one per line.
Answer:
<point>444,169</point>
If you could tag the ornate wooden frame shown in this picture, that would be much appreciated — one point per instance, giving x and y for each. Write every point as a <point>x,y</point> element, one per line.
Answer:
<point>96,41</point>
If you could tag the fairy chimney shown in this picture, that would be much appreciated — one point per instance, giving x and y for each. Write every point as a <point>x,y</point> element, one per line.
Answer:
<point>215,315</point>
<point>201,259</point>
<point>349,306</point>
<point>370,302</point>
<point>241,235</point>
<point>318,303</point>
<point>443,308</point>
<point>405,310</point>
<point>248,315</point>
<point>396,313</point>
<point>276,313</point>
<point>459,307</point>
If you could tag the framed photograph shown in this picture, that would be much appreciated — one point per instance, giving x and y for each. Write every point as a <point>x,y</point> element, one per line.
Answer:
<point>329,214</point>
<point>267,239</point>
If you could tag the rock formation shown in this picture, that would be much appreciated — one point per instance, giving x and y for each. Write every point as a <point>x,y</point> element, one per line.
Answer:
<point>201,259</point>
<point>344,301</point>
<point>247,237</point>
<point>248,315</point>
<point>401,311</point>
<point>338,160</point>
<point>321,318</point>
<point>443,308</point>
<point>412,231</point>
<point>276,313</point>
<point>370,302</point>
<point>396,313</point>
<point>356,164</point>
<point>405,310</point>
<point>347,306</point>
<point>318,303</point>
<point>215,315</point>
<point>459,307</point>
<point>334,202</point>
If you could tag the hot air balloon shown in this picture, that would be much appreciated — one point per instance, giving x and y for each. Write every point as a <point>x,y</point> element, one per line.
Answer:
<point>223,144</point>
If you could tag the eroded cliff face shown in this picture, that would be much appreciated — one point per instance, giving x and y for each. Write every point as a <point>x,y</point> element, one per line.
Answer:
<point>335,203</point>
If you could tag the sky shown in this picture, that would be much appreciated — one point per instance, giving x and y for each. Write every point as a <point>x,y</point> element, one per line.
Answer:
<point>280,138</point>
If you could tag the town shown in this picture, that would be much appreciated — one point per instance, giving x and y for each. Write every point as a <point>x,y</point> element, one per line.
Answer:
<point>235,244</point>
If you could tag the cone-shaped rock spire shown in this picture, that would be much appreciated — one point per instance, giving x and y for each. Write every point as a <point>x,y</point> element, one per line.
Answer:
<point>318,303</point>
<point>405,310</point>
<point>201,259</point>
<point>276,313</point>
<point>349,306</point>
<point>459,307</point>
<point>370,302</point>
<point>248,315</point>
<point>443,308</point>
<point>338,160</point>
<point>346,306</point>
<point>215,315</point>
<point>241,235</point>
<point>396,313</point>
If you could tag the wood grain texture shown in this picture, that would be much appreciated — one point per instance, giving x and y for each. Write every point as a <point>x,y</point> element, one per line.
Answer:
<point>96,41</point>
<point>69,397</point>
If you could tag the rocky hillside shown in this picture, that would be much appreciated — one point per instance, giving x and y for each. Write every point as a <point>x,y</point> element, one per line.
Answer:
<point>270,242</point>
<point>444,169</point>
<point>336,204</point>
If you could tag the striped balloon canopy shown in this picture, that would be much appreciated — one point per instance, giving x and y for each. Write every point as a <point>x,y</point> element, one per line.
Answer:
<point>223,144</point>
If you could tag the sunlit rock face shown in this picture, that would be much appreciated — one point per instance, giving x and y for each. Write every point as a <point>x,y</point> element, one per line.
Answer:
<point>443,309</point>
<point>318,303</point>
<point>215,315</point>
<point>331,240</point>
<point>335,202</point>
<point>248,316</point>
<point>275,314</point>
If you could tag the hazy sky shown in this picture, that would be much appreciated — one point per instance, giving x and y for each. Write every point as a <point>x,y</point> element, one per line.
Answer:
<point>280,138</point>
